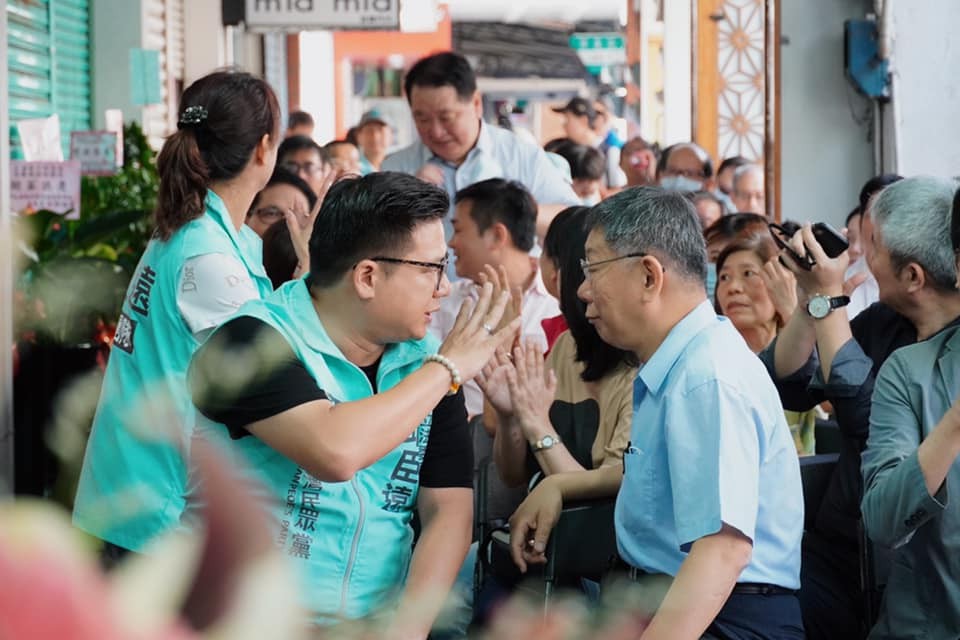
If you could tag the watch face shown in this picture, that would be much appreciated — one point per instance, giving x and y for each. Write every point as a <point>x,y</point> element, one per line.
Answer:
<point>819,306</point>
<point>546,442</point>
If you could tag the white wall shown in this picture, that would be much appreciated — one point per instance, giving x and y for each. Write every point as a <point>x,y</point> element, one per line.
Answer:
<point>826,155</point>
<point>926,60</point>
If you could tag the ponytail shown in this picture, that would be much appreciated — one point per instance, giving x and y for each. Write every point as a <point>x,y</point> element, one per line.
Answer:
<point>223,116</point>
<point>183,183</point>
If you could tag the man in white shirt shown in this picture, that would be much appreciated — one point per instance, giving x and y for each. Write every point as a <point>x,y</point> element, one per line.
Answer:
<point>493,224</point>
<point>456,148</point>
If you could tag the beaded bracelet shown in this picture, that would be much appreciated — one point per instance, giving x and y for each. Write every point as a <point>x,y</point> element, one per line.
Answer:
<point>455,379</point>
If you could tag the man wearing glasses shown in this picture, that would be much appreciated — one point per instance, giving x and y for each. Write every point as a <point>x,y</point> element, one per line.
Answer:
<point>304,157</point>
<point>709,510</point>
<point>332,395</point>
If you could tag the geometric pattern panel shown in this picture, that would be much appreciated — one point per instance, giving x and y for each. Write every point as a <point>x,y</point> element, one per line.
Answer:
<point>741,63</point>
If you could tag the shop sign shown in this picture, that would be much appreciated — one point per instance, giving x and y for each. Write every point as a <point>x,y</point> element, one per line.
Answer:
<point>306,15</point>
<point>54,186</point>
<point>96,151</point>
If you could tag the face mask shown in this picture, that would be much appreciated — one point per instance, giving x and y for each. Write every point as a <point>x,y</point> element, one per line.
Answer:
<point>680,183</point>
<point>590,200</point>
<point>711,280</point>
<point>728,206</point>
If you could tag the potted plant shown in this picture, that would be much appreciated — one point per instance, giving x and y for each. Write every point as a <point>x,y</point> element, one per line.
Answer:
<point>69,294</point>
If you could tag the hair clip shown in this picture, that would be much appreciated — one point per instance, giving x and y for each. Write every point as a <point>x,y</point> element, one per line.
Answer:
<point>192,116</point>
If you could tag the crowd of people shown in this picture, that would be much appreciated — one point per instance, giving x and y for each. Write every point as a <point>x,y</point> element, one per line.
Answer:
<point>342,323</point>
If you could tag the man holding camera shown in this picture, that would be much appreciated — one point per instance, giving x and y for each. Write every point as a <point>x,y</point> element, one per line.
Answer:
<point>821,355</point>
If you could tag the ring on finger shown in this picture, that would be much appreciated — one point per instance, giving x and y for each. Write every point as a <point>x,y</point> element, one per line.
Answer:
<point>488,328</point>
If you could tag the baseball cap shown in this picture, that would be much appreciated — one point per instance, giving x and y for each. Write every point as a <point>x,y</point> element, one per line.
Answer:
<point>579,107</point>
<point>372,116</point>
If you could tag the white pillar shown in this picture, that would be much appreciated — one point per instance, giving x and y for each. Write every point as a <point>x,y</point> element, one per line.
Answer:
<point>203,39</point>
<point>6,278</point>
<point>317,89</point>
<point>677,80</point>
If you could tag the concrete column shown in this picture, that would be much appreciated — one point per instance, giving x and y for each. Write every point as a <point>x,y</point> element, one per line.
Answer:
<point>203,38</point>
<point>6,279</point>
<point>317,93</point>
<point>677,80</point>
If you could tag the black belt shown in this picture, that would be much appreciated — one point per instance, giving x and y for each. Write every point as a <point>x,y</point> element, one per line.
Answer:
<point>741,588</point>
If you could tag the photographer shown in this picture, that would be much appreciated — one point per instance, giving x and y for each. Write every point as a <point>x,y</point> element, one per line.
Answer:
<point>820,355</point>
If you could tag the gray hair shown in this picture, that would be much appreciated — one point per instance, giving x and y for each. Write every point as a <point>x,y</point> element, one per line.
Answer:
<point>651,220</point>
<point>912,217</point>
<point>745,169</point>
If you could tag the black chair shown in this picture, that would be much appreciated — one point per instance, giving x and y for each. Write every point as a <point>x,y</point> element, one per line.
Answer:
<point>815,474</point>
<point>828,436</point>
<point>581,545</point>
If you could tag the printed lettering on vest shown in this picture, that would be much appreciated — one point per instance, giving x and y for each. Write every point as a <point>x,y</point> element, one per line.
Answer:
<point>399,490</point>
<point>123,337</point>
<point>140,298</point>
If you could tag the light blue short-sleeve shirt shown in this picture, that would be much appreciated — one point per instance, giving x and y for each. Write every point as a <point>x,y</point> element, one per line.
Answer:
<point>709,445</point>
<point>498,154</point>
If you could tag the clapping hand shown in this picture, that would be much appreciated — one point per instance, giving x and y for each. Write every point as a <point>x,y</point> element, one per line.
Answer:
<point>475,337</point>
<point>532,388</point>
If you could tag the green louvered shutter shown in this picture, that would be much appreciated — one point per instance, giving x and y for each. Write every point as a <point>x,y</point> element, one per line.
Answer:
<point>28,53</point>
<point>70,30</point>
<point>48,49</point>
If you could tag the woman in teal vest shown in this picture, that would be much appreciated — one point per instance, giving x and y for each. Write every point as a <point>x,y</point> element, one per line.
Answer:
<point>200,266</point>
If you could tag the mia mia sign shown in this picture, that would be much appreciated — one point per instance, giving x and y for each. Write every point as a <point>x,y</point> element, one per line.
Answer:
<point>305,15</point>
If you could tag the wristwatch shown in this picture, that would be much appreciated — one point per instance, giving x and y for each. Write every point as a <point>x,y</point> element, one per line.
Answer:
<point>545,443</point>
<point>820,306</point>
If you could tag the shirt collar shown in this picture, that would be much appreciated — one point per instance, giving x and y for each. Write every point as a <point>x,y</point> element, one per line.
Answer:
<point>217,208</point>
<point>657,368</point>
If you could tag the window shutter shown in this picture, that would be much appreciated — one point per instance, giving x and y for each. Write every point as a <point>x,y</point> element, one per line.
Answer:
<point>48,47</point>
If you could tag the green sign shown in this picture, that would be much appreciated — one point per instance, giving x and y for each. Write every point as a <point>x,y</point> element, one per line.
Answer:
<point>587,40</point>
<point>598,50</point>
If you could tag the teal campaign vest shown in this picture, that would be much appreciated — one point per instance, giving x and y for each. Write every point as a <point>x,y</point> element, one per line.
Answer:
<point>350,542</point>
<point>133,479</point>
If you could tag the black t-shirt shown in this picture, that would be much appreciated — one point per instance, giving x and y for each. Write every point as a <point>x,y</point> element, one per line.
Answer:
<point>286,383</point>
<point>880,331</point>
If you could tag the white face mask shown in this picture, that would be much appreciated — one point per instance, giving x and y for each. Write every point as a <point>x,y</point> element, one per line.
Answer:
<point>680,183</point>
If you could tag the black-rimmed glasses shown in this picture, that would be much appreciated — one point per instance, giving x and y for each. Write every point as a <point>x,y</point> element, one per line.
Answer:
<point>590,267</point>
<point>441,266</point>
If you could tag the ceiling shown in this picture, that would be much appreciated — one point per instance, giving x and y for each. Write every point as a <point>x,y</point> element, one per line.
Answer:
<point>536,11</point>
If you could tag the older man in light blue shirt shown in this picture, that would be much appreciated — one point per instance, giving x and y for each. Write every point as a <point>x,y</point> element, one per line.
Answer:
<point>456,148</point>
<point>710,501</point>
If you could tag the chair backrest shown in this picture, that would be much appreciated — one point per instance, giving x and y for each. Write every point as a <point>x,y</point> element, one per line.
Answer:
<point>583,541</point>
<point>815,474</point>
<point>494,502</point>
<point>828,436</point>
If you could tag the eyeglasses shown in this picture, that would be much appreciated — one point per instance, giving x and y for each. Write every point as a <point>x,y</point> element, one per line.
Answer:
<point>591,267</point>
<point>441,266</point>
<point>269,214</point>
<point>308,168</point>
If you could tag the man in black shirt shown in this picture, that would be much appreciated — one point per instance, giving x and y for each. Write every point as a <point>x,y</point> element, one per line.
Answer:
<point>350,416</point>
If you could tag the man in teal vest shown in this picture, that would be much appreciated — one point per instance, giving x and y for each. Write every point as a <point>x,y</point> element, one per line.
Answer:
<point>331,395</point>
